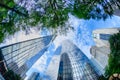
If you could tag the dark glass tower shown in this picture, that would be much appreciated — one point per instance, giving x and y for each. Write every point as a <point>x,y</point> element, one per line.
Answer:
<point>74,65</point>
<point>65,68</point>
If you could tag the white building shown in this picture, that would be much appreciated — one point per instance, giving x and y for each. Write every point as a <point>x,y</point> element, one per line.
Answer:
<point>101,50</point>
<point>101,36</point>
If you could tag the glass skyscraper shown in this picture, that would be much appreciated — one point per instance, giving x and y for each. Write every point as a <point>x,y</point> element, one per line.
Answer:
<point>35,76</point>
<point>74,65</point>
<point>65,68</point>
<point>14,56</point>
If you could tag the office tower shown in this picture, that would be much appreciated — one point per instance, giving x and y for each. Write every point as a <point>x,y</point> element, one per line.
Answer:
<point>65,68</point>
<point>74,65</point>
<point>35,76</point>
<point>15,56</point>
<point>101,50</point>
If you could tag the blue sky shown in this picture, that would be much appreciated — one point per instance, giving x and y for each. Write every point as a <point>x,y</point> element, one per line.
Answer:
<point>109,23</point>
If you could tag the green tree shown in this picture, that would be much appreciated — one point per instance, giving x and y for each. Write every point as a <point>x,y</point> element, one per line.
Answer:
<point>114,57</point>
<point>10,13</point>
<point>55,12</point>
<point>95,9</point>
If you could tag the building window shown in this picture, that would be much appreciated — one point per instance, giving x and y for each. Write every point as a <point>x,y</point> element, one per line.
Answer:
<point>105,36</point>
<point>95,35</point>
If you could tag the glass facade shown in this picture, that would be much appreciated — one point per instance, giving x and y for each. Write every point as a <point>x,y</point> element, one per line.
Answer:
<point>105,36</point>
<point>16,55</point>
<point>74,65</point>
<point>100,58</point>
<point>35,76</point>
<point>65,68</point>
<point>100,55</point>
<point>98,68</point>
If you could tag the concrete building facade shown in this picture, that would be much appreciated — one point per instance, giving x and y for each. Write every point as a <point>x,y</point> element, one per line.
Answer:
<point>101,50</point>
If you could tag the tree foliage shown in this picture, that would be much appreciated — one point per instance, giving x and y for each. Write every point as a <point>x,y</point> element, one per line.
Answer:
<point>114,58</point>
<point>10,13</point>
<point>95,9</point>
<point>49,13</point>
<point>10,75</point>
<point>102,78</point>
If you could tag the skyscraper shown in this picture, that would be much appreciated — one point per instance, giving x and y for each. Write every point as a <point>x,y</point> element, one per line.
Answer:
<point>101,50</point>
<point>74,65</point>
<point>65,68</point>
<point>14,56</point>
<point>35,76</point>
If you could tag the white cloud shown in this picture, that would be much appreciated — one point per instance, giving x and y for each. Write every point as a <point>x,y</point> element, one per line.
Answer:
<point>39,66</point>
<point>21,36</point>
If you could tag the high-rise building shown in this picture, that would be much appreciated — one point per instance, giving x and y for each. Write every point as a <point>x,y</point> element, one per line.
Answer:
<point>35,76</point>
<point>15,56</point>
<point>74,65</point>
<point>65,68</point>
<point>101,50</point>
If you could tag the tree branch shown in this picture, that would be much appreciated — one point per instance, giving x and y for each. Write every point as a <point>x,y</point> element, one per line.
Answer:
<point>12,9</point>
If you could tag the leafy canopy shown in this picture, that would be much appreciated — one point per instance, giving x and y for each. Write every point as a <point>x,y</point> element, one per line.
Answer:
<point>50,13</point>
